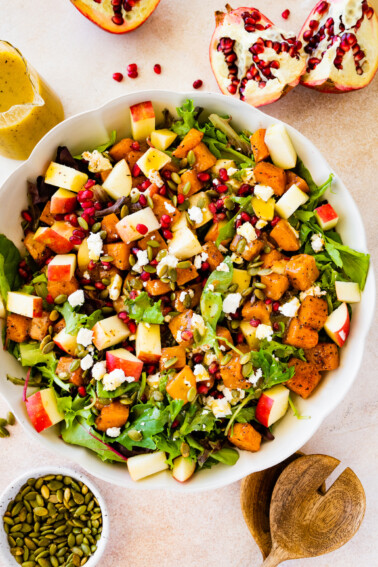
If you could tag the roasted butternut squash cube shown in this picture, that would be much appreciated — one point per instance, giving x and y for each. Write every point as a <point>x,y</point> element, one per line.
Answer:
<point>120,252</point>
<point>179,385</point>
<point>62,288</point>
<point>259,148</point>
<point>37,250</point>
<point>232,376</point>
<point>173,352</point>
<point>157,287</point>
<point>204,158</point>
<point>214,257</point>
<point>39,326</point>
<point>285,236</point>
<point>113,415</point>
<point>153,236</point>
<point>268,174</point>
<point>190,176</point>
<point>300,336</point>
<point>121,149</point>
<point>305,379</point>
<point>164,206</point>
<point>188,300</point>
<point>294,179</point>
<point>257,310</point>
<point>76,377</point>
<point>17,328</point>
<point>302,271</point>
<point>190,141</point>
<point>132,157</point>
<point>244,436</point>
<point>275,285</point>
<point>313,312</point>
<point>269,258</point>
<point>324,356</point>
<point>185,275</point>
<point>46,216</point>
<point>251,250</point>
<point>108,224</point>
<point>225,334</point>
<point>181,323</point>
<point>213,233</point>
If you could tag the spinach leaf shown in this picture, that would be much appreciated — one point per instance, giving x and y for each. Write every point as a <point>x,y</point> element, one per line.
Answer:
<point>188,114</point>
<point>148,420</point>
<point>211,307</point>
<point>143,308</point>
<point>223,124</point>
<point>355,264</point>
<point>102,147</point>
<point>4,284</point>
<point>12,258</point>
<point>31,355</point>
<point>246,414</point>
<point>228,230</point>
<point>274,371</point>
<point>219,279</point>
<point>197,419</point>
<point>169,446</point>
<point>125,388</point>
<point>316,191</point>
<point>79,433</point>
<point>281,351</point>
<point>75,321</point>
<point>226,455</point>
<point>72,408</point>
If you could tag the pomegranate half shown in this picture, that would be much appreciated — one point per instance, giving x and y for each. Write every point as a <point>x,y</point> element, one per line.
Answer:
<point>116,16</point>
<point>340,41</point>
<point>252,59</point>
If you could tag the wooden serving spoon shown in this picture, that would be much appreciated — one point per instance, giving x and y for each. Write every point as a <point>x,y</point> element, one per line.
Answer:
<point>304,522</point>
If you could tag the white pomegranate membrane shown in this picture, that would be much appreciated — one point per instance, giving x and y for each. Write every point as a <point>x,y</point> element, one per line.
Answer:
<point>340,42</point>
<point>254,60</point>
<point>116,16</point>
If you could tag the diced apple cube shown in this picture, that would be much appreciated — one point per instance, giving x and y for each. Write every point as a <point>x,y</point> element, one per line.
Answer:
<point>83,258</point>
<point>62,268</point>
<point>43,409</point>
<point>141,466</point>
<point>152,160</point>
<point>62,202</point>
<point>280,146</point>
<point>290,202</point>
<point>326,216</point>
<point>65,177</point>
<point>182,222</point>
<point>162,139</point>
<point>183,468</point>
<point>202,201</point>
<point>348,292</point>
<point>242,278</point>
<point>142,117</point>
<point>249,333</point>
<point>263,209</point>
<point>109,332</point>
<point>148,343</point>
<point>24,304</point>
<point>337,325</point>
<point>57,237</point>
<point>222,164</point>
<point>66,342</point>
<point>122,359</point>
<point>127,227</point>
<point>272,405</point>
<point>184,244</point>
<point>119,181</point>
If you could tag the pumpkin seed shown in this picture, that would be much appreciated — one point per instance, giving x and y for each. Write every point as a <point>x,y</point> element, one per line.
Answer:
<point>172,273</point>
<point>225,359</point>
<point>241,246</point>
<point>171,185</point>
<point>107,258</point>
<point>259,294</point>
<point>247,369</point>
<point>171,362</point>
<point>107,310</point>
<point>186,188</point>
<point>191,158</point>
<point>267,249</point>
<point>245,358</point>
<point>153,244</point>
<point>246,292</point>
<point>4,432</point>
<point>185,450</point>
<point>184,264</point>
<point>253,271</point>
<point>89,287</point>
<point>259,285</point>
<point>41,289</point>
<point>74,365</point>
<point>232,288</point>
<point>62,298</point>
<point>96,227</point>
<point>150,202</point>
<point>83,223</point>
<point>191,394</point>
<point>124,211</point>
<point>103,234</point>
<point>3,422</point>
<point>176,178</point>
<point>135,435</point>
<point>44,342</point>
<point>149,269</point>
<point>183,162</point>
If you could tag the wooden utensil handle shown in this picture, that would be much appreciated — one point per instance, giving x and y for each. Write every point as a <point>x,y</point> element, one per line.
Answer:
<point>275,557</point>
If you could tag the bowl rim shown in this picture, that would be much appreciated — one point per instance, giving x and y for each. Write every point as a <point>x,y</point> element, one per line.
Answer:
<point>11,490</point>
<point>229,103</point>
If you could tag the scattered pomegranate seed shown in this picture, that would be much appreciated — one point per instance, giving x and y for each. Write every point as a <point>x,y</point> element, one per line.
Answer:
<point>175,423</point>
<point>223,174</point>
<point>117,77</point>
<point>163,191</point>
<point>141,228</point>
<point>157,68</point>
<point>100,286</point>
<point>197,84</point>
<point>187,335</point>
<point>202,389</point>
<point>135,146</point>
<point>205,266</point>
<point>274,221</point>
<point>76,240</point>
<point>268,301</point>
<point>167,234</point>
<point>165,220</point>
<point>142,200</point>
<point>276,327</point>
<point>132,74</point>
<point>238,223</point>
<point>198,358</point>
<point>221,188</point>
<point>239,338</point>
<point>97,205</point>
<point>123,316</point>
<point>136,171</point>
<point>212,208</point>
<point>213,368</point>
<point>203,176</point>
<point>133,294</point>
<point>132,67</point>
<point>285,14</point>
<point>245,216</point>
<point>132,326</point>
<point>255,322</point>
<point>145,276</point>
<point>219,204</point>
<point>26,216</point>
<point>145,185</point>
<point>91,265</point>
<point>49,298</point>
<point>276,306</point>
<point>181,199</point>
<point>89,184</point>
<point>154,262</point>
<point>82,391</point>
<point>23,273</point>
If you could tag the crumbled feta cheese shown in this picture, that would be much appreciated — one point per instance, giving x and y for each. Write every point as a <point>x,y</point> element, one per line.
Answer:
<point>87,362</point>
<point>191,292</point>
<point>232,396</point>
<point>223,267</point>
<point>99,370</point>
<point>195,214</point>
<point>198,323</point>
<point>290,308</point>
<point>317,242</point>
<point>199,259</point>
<point>169,260</point>
<point>264,332</point>
<point>76,298</point>
<point>264,192</point>
<point>113,431</point>
<point>247,231</point>
<point>236,259</point>
<point>86,275</point>
<point>221,408</point>
<point>314,290</point>
<point>231,171</point>
<point>115,287</point>
<point>97,162</point>
<point>179,336</point>
<point>153,380</point>
<point>261,224</point>
<point>210,287</point>
<point>200,373</point>
<point>255,377</point>
<point>114,379</point>
<point>142,256</point>
<point>95,244</point>
<point>248,174</point>
<point>155,177</point>
<point>231,302</point>
<point>168,207</point>
<point>84,337</point>
<point>182,296</point>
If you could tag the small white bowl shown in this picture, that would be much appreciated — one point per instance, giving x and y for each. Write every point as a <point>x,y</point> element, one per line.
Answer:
<point>12,490</point>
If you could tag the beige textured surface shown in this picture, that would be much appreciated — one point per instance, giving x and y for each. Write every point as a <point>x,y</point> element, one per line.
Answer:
<point>78,59</point>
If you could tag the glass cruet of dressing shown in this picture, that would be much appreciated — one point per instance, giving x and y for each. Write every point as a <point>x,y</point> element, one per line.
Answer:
<point>28,107</point>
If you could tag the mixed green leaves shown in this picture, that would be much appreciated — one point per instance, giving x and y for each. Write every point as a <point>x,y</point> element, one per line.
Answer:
<point>274,371</point>
<point>9,260</point>
<point>143,308</point>
<point>103,147</point>
<point>75,321</point>
<point>228,230</point>
<point>32,356</point>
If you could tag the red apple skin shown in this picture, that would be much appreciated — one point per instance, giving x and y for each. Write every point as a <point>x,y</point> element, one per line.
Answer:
<point>61,205</point>
<point>345,328</point>
<point>130,367</point>
<point>37,307</point>
<point>149,357</point>
<point>105,23</point>
<point>57,238</point>
<point>263,408</point>
<point>37,413</point>
<point>59,273</point>
<point>142,111</point>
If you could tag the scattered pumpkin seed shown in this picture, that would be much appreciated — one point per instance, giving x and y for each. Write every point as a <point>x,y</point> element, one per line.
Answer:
<point>54,315</point>
<point>192,394</point>
<point>225,359</point>
<point>247,369</point>
<point>124,211</point>
<point>103,235</point>
<point>183,162</point>
<point>185,449</point>
<point>241,246</point>
<point>184,264</point>
<point>233,288</point>
<point>175,178</point>
<point>3,422</point>
<point>135,435</point>
<point>107,259</point>
<point>246,292</point>
<point>259,294</point>
<point>96,227</point>
<point>245,358</point>
<point>171,185</point>
<point>62,298</point>
<point>83,223</point>
<point>153,243</point>
<point>44,342</point>
<point>4,432</point>
<point>191,158</point>
<point>150,202</point>
<point>186,188</point>
<point>48,347</point>
<point>259,285</point>
<point>171,362</point>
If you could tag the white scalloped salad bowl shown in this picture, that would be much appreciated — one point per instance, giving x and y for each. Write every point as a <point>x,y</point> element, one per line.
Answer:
<point>93,127</point>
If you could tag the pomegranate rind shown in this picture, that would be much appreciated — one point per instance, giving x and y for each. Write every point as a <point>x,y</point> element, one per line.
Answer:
<point>101,14</point>
<point>326,77</point>
<point>231,25</point>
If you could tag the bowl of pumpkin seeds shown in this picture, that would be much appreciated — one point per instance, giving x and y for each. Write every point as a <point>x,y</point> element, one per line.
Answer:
<point>53,517</point>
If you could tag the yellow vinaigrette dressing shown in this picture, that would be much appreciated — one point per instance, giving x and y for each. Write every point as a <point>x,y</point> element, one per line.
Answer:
<point>28,107</point>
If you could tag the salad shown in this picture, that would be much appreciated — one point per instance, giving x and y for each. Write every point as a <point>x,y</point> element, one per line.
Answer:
<point>177,289</point>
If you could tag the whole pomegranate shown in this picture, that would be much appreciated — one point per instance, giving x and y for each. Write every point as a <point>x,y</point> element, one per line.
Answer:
<point>252,59</point>
<point>116,16</point>
<point>340,41</point>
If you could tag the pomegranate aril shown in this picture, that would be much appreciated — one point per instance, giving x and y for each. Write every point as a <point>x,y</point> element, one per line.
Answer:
<point>145,185</point>
<point>275,65</point>
<point>276,306</point>
<point>285,14</point>
<point>232,89</point>
<point>75,240</point>
<point>135,146</point>
<point>141,228</point>
<point>221,188</point>
<point>117,77</point>
<point>359,55</point>
<point>181,199</point>
<point>370,13</point>
<point>255,322</point>
<point>313,24</point>
<point>157,69</point>
<point>87,194</point>
<point>205,266</point>
<point>197,84</point>
<point>123,316</point>
<point>187,335</point>
<point>166,220</point>
<point>202,389</point>
<point>117,20</point>
<point>132,74</point>
<point>167,234</point>
<point>132,326</point>
<point>203,176</point>
<point>100,286</point>
<point>142,200</point>
<point>162,191</point>
<point>132,67</point>
<point>275,221</point>
<point>145,276</point>
<point>223,175</point>
<point>136,171</point>
<point>26,216</point>
<point>322,7</point>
